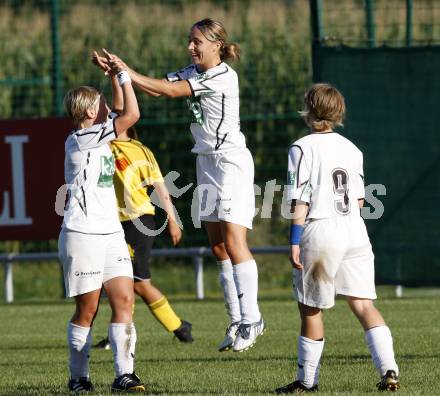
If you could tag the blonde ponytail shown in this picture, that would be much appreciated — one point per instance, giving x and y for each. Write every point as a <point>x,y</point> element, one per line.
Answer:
<point>230,51</point>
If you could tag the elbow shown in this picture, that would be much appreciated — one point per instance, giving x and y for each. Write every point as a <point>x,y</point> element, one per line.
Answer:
<point>134,117</point>
<point>136,114</point>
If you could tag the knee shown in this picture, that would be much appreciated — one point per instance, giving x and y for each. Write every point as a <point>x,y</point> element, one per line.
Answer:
<point>360,307</point>
<point>125,301</point>
<point>234,246</point>
<point>141,287</point>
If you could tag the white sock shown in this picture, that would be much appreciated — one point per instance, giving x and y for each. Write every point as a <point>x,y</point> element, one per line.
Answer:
<point>246,283</point>
<point>309,357</point>
<point>79,340</point>
<point>380,344</point>
<point>122,337</point>
<point>230,294</point>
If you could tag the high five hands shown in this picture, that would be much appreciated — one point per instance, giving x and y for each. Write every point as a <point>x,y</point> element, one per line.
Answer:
<point>109,63</point>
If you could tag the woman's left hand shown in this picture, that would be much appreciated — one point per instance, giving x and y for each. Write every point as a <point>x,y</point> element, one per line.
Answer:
<point>101,62</point>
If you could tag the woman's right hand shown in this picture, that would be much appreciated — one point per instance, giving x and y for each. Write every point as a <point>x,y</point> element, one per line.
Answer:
<point>115,63</point>
<point>294,256</point>
<point>175,232</point>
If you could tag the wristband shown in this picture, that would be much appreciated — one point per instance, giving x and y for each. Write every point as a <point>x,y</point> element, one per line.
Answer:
<point>296,231</point>
<point>123,77</point>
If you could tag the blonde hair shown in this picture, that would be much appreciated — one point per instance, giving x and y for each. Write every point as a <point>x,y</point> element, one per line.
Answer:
<point>324,107</point>
<point>215,31</point>
<point>78,100</point>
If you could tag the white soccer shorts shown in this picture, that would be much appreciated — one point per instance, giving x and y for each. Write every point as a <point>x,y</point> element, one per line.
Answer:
<point>226,187</point>
<point>89,260</point>
<point>338,259</point>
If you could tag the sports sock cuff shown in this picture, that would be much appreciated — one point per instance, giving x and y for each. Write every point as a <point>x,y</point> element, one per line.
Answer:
<point>245,266</point>
<point>79,328</point>
<point>309,350</point>
<point>79,336</point>
<point>158,303</point>
<point>371,332</point>
<point>310,341</point>
<point>120,324</point>
<point>225,265</point>
<point>165,315</point>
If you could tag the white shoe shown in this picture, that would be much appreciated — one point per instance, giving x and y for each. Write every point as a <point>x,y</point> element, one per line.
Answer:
<point>247,335</point>
<point>231,335</point>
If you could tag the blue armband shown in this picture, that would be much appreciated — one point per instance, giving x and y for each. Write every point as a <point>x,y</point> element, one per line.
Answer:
<point>296,231</point>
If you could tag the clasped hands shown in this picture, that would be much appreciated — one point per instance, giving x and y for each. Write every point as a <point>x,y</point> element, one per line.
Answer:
<point>111,64</point>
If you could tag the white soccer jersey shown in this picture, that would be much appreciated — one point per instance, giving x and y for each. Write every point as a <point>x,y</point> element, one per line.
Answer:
<point>326,170</point>
<point>214,105</point>
<point>88,170</point>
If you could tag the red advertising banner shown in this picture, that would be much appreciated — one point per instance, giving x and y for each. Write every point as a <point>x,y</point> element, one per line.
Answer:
<point>32,171</point>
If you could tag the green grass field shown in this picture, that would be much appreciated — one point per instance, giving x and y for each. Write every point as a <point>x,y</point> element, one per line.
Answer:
<point>33,353</point>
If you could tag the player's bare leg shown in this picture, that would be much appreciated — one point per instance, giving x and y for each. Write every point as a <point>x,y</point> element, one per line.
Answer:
<point>147,291</point>
<point>86,308</point>
<point>162,311</point>
<point>366,312</point>
<point>226,277</point>
<point>122,333</point>
<point>312,325</point>
<point>245,275</point>
<point>379,341</point>
<point>235,238</point>
<point>79,338</point>
<point>120,294</point>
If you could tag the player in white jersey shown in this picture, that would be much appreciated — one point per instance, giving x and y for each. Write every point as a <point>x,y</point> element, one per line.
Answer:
<point>92,247</point>
<point>225,169</point>
<point>330,249</point>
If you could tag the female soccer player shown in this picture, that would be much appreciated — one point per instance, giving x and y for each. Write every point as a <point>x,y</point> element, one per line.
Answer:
<point>136,171</point>
<point>225,169</point>
<point>330,250</point>
<point>91,245</point>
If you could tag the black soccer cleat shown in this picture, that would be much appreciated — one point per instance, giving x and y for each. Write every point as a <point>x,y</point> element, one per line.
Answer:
<point>389,382</point>
<point>129,383</point>
<point>82,384</point>
<point>295,387</point>
<point>103,344</point>
<point>183,333</point>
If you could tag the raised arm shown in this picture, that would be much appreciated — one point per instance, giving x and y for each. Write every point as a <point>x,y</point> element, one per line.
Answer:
<point>152,86</point>
<point>130,112</point>
<point>158,87</point>
<point>118,96</point>
<point>135,76</point>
